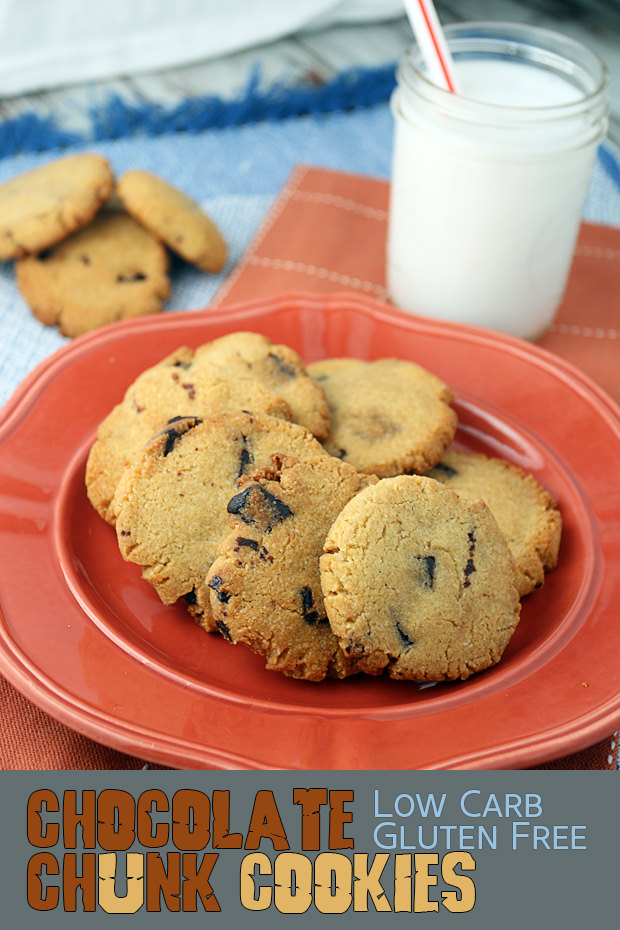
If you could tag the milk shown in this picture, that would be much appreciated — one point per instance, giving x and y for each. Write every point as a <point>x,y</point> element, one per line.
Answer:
<point>488,188</point>
<point>514,84</point>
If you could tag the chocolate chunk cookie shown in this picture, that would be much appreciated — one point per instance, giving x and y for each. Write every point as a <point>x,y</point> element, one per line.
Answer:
<point>174,218</point>
<point>180,385</point>
<point>40,207</point>
<point>265,584</point>
<point>526,513</point>
<point>419,582</point>
<point>387,416</point>
<point>113,269</point>
<point>276,367</point>
<point>171,504</point>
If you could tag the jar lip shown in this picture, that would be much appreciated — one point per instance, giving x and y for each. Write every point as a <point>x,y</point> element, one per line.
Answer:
<point>545,46</point>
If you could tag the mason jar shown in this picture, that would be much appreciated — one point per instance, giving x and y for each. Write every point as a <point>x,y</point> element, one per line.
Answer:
<point>488,185</point>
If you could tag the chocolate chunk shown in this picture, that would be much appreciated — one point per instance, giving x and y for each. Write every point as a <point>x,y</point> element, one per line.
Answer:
<point>257,506</point>
<point>223,629</point>
<point>310,614</point>
<point>216,583</point>
<point>176,427</point>
<point>245,458</point>
<point>181,364</point>
<point>470,567</point>
<point>250,543</point>
<point>243,542</point>
<point>277,507</point>
<point>190,598</point>
<point>427,566</point>
<point>446,470</point>
<point>130,278</point>
<point>407,641</point>
<point>397,620</point>
<point>307,598</point>
<point>374,426</point>
<point>282,366</point>
<point>354,649</point>
<point>341,453</point>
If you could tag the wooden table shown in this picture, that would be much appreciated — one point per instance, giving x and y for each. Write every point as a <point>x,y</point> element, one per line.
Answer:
<point>313,57</point>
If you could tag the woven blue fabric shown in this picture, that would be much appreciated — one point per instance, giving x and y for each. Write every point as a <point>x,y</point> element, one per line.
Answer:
<point>117,118</point>
<point>235,172</point>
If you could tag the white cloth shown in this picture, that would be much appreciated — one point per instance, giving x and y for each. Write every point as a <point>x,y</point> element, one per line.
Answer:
<point>49,43</point>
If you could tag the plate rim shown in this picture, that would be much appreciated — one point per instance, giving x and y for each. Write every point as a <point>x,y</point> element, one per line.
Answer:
<point>247,309</point>
<point>94,723</point>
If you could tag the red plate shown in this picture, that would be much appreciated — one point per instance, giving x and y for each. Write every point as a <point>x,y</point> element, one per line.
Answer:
<point>87,640</point>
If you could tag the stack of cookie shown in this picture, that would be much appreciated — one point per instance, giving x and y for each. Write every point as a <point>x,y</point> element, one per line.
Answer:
<point>84,257</point>
<point>317,515</point>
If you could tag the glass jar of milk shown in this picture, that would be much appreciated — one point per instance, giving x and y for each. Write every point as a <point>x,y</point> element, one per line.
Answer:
<point>488,185</point>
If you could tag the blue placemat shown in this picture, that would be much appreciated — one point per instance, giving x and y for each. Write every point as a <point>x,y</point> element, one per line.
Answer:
<point>235,171</point>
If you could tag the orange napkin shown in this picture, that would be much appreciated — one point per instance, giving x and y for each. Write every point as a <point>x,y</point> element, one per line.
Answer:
<point>326,232</point>
<point>30,739</point>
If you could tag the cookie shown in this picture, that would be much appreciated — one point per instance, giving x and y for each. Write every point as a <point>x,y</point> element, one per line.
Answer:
<point>174,218</point>
<point>387,416</point>
<point>276,367</point>
<point>419,582</point>
<point>265,583</point>
<point>525,512</point>
<point>179,385</point>
<point>40,207</point>
<point>171,504</point>
<point>113,269</point>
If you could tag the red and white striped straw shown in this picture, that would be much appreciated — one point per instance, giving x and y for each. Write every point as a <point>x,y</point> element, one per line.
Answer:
<point>429,34</point>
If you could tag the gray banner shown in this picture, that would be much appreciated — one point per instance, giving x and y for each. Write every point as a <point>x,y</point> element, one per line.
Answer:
<point>462,849</point>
